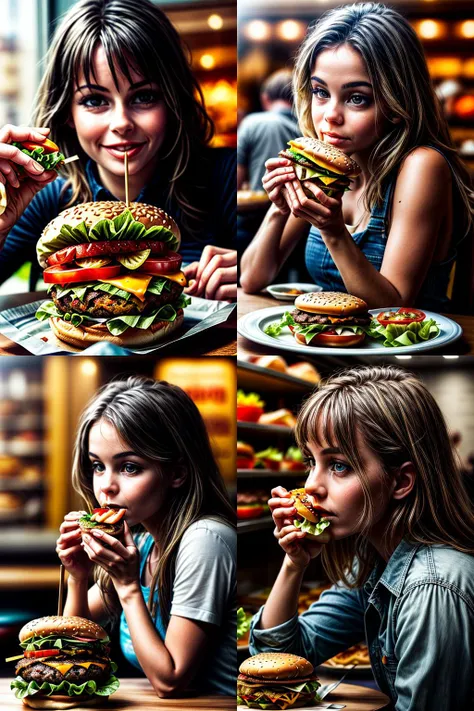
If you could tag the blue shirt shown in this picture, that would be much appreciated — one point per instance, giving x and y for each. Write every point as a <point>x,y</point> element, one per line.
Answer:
<point>372,242</point>
<point>417,617</point>
<point>218,227</point>
<point>204,590</point>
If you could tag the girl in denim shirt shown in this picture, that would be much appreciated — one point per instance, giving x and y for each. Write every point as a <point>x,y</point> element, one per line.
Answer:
<point>401,548</point>
<point>361,83</point>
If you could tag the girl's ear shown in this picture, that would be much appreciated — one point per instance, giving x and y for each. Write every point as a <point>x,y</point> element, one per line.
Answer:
<point>395,119</point>
<point>404,481</point>
<point>178,477</point>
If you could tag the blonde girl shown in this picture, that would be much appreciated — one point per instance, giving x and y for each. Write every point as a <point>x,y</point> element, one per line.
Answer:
<point>143,445</point>
<point>361,84</point>
<point>402,541</point>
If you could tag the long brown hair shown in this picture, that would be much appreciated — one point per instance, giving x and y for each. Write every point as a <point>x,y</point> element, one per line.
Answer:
<point>160,421</point>
<point>399,421</point>
<point>398,72</point>
<point>134,34</point>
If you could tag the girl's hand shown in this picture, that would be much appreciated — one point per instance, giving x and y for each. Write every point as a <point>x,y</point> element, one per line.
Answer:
<point>69,549</point>
<point>214,276</point>
<point>290,538</point>
<point>325,212</point>
<point>279,174</point>
<point>119,560</point>
<point>20,192</point>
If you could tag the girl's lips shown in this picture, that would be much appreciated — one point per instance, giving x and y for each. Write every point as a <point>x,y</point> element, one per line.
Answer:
<point>132,152</point>
<point>335,140</point>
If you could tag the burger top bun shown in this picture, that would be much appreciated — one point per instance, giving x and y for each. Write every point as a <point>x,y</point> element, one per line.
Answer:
<point>330,302</point>
<point>92,212</point>
<point>64,626</point>
<point>299,495</point>
<point>327,156</point>
<point>274,665</point>
<point>244,448</point>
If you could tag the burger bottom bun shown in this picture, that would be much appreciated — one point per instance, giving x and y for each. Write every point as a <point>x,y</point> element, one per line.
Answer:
<point>57,701</point>
<point>84,336</point>
<point>323,537</point>
<point>330,340</point>
<point>114,529</point>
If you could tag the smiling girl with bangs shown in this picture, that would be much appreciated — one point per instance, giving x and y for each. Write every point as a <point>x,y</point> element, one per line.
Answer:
<point>401,553</point>
<point>116,76</point>
<point>361,84</point>
<point>142,445</point>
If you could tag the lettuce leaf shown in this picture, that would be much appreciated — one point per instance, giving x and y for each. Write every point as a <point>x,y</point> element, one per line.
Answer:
<point>308,331</point>
<point>24,688</point>
<point>313,528</point>
<point>49,161</point>
<point>395,335</point>
<point>156,286</point>
<point>52,640</point>
<point>243,622</point>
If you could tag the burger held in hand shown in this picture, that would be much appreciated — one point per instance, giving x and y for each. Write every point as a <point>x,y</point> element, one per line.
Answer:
<point>65,664</point>
<point>310,517</point>
<point>322,164</point>
<point>108,519</point>
<point>326,318</point>
<point>113,274</point>
<point>276,681</point>
<point>46,153</point>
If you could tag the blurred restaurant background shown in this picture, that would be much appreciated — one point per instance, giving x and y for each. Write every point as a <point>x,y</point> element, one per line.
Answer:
<point>450,379</point>
<point>270,32</point>
<point>207,27</point>
<point>40,403</point>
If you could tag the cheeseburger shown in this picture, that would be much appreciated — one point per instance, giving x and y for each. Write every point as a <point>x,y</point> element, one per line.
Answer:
<point>326,318</point>
<point>310,517</point>
<point>113,274</point>
<point>46,153</point>
<point>108,519</point>
<point>276,681</point>
<point>65,664</point>
<point>322,164</point>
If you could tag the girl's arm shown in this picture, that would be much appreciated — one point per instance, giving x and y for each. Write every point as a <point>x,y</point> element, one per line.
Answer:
<point>282,603</point>
<point>276,238</point>
<point>83,602</point>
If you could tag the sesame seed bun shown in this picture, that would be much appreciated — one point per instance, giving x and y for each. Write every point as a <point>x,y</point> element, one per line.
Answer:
<point>275,666</point>
<point>62,626</point>
<point>327,156</point>
<point>330,302</point>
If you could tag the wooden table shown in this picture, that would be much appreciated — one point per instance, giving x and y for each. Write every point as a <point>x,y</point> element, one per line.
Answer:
<point>252,302</point>
<point>215,341</point>
<point>136,694</point>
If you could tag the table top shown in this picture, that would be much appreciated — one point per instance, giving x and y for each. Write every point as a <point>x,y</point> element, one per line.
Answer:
<point>246,303</point>
<point>139,694</point>
<point>215,341</point>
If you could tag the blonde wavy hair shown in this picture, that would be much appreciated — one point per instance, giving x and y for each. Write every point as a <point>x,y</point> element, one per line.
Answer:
<point>398,419</point>
<point>403,92</point>
<point>161,422</point>
<point>132,34</point>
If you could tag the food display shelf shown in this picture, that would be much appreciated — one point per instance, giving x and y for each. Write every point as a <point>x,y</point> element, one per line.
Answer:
<point>256,429</point>
<point>255,524</point>
<point>268,474</point>
<point>253,377</point>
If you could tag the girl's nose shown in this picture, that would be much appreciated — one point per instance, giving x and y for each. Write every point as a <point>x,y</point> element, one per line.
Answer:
<point>316,486</point>
<point>333,113</point>
<point>120,120</point>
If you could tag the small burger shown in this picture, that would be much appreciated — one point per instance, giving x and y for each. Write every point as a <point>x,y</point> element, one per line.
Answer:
<point>108,519</point>
<point>113,274</point>
<point>46,153</point>
<point>322,164</point>
<point>276,681</point>
<point>252,504</point>
<point>326,318</point>
<point>310,517</point>
<point>65,664</point>
<point>293,460</point>
<point>245,456</point>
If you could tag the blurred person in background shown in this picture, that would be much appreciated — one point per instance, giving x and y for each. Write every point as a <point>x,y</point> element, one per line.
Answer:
<point>143,445</point>
<point>116,77</point>
<point>260,136</point>
<point>361,84</point>
<point>400,553</point>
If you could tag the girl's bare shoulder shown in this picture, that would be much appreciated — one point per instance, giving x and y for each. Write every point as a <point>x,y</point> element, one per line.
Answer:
<point>424,162</point>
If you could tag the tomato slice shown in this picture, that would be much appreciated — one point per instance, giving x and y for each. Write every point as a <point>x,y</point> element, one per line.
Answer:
<point>249,413</point>
<point>49,146</point>
<point>100,511</point>
<point>249,511</point>
<point>62,275</point>
<point>167,264</point>
<point>42,653</point>
<point>403,316</point>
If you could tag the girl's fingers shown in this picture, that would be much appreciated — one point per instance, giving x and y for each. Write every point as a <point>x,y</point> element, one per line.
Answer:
<point>226,292</point>
<point>11,133</point>
<point>281,492</point>
<point>323,198</point>
<point>291,538</point>
<point>282,513</point>
<point>220,276</point>
<point>98,553</point>
<point>99,537</point>
<point>272,163</point>
<point>66,552</point>
<point>274,182</point>
<point>9,173</point>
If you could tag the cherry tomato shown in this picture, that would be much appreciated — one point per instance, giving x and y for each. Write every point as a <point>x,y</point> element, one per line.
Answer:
<point>403,316</point>
<point>62,275</point>
<point>163,265</point>
<point>249,413</point>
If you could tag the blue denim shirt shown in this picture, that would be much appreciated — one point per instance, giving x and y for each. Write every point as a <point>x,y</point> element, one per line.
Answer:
<point>372,242</point>
<point>417,617</point>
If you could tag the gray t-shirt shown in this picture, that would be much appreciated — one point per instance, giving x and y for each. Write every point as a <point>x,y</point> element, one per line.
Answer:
<point>262,136</point>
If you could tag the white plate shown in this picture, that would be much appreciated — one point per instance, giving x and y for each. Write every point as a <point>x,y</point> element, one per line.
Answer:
<point>253,324</point>
<point>275,290</point>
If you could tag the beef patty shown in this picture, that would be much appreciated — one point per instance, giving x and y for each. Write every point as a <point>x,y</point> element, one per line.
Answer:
<point>31,670</point>
<point>307,318</point>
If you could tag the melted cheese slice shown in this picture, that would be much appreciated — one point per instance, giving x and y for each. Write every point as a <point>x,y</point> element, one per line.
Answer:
<point>178,277</point>
<point>326,180</point>
<point>64,667</point>
<point>135,284</point>
<point>313,159</point>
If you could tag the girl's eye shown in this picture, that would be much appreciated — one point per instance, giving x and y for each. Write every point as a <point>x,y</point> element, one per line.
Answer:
<point>338,467</point>
<point>360,100</point>
<point>131,468</point>
<point>319,92</point>
<point>92,101</point>
<point>146,97</point>
<point>97,467</point>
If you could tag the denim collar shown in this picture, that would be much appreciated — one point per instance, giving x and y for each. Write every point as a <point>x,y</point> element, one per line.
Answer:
<point>99,192</point>
<point>393,575</point>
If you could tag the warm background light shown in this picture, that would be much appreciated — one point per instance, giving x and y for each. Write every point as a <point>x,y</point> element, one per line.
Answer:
<point>430,29</point>
<point>207,61</point>
<point>88,367</point>
<point>467,29</point>
<point>215,22</point>
<point>445,67</point>
<point>258,30</point>
<point>291,30</point>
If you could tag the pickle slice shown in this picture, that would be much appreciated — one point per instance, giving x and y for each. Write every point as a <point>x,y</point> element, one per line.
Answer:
<point>135,260</point>
<point>93,262</point>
